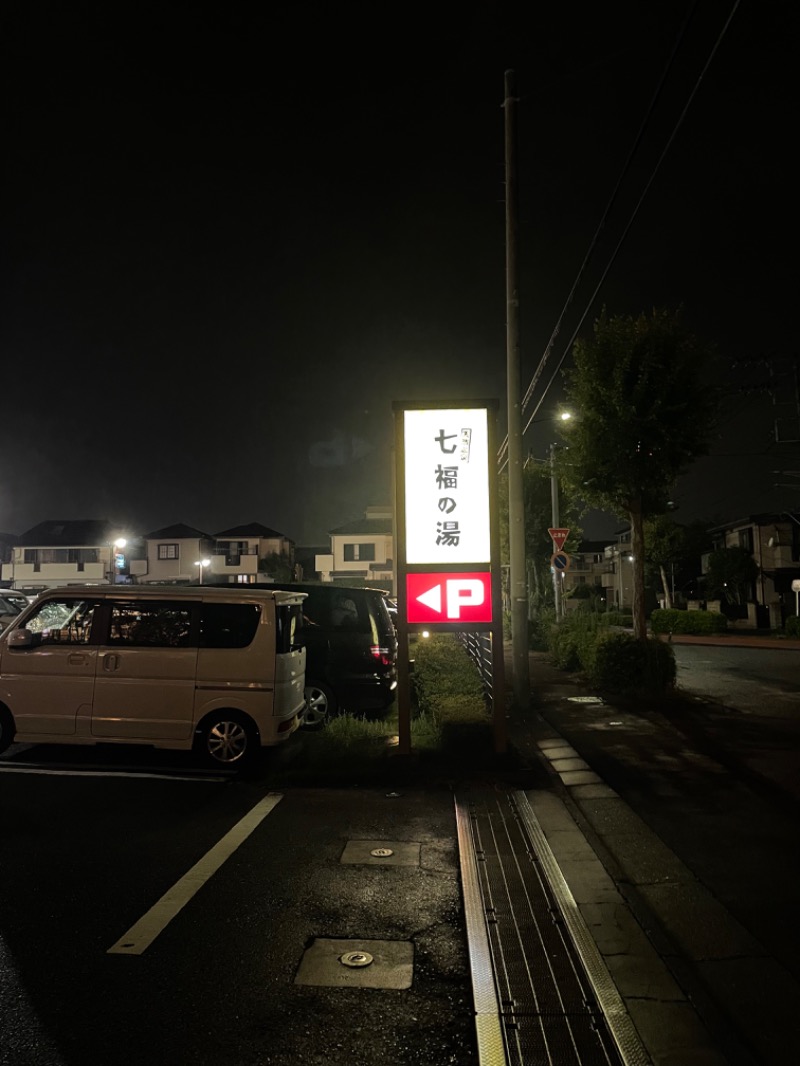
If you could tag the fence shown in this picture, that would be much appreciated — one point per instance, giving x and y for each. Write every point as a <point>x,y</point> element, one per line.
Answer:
<point>479,648</point>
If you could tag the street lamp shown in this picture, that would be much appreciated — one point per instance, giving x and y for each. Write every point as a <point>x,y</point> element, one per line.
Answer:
<point>563,416</point>
<point>202,564</point>
<point>114,547</point>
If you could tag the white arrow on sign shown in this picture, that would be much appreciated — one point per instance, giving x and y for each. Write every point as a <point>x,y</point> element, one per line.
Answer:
<point>432,598</point>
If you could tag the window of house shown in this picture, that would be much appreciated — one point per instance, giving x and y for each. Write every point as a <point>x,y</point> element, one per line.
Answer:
<point>746,539</point>
<point>358,553</point>
<point>168,551</point>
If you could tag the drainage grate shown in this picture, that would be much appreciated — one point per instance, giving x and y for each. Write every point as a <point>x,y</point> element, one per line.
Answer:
<point>548,1012</point>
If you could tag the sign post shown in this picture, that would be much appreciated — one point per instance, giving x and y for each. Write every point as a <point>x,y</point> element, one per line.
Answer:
<point>447,545</point>
<point>796,591</point>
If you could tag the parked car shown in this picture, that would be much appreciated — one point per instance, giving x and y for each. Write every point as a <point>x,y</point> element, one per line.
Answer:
<point>190,669</point>
<point>12,603</point>
<point>351,649</point>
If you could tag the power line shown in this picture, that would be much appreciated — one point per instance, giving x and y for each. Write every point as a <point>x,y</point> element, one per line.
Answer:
<point>639,203</point>
<point>651,179</point>
<point>612,200</point>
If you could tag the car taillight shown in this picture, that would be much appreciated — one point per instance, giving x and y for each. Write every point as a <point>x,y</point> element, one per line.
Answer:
<point>381,654</point>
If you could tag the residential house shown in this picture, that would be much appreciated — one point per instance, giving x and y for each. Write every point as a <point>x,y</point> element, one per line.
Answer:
<point>616,575</point>
<point>773,540</point>
<point>362,551</point>
<point>239,555</point>
<point>587,566</point>
<point>246,553</point>
<point>174,554</point>
<point>56,553</point>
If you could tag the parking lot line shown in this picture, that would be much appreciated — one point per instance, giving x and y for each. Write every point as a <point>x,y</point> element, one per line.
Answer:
<point>141,935</point>
<point>106,773</point>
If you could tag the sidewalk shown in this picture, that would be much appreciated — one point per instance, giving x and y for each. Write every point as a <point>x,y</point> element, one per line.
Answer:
<point>700,987</point>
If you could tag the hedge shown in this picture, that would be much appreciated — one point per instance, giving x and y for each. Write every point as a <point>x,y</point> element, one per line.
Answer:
<point>613,661</point>
<point>446,682</point>
<point>699,623</point>
<point>624,664</point>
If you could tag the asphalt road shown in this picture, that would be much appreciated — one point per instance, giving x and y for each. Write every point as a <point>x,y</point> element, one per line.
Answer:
<point>764,682</point>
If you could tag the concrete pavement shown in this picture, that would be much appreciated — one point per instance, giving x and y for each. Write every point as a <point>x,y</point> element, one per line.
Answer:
<point>700,987</point>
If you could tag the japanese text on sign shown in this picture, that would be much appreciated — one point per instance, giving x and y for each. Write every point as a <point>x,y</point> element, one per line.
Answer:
<point>447,485</point>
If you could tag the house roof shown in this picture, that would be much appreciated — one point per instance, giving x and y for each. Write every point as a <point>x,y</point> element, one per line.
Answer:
<point>587,546</point>
<point>251,529</point>
<point>375,526</point>
<point>68,533</point>
<point>765,518</point>
<point>178,532</point>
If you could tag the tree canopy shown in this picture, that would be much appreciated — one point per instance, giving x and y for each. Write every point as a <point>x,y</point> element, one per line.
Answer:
<point>643,410</point>
<point>731,574</point>
<point>538,520</point>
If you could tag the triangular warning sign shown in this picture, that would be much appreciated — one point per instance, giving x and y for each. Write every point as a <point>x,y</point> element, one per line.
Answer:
<point>559,536</point>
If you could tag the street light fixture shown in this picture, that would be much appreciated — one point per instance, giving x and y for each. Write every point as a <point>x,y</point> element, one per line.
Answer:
<point>202,564</point>
<point>563,416</point>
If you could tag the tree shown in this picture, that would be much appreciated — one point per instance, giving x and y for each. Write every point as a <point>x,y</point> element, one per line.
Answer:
<point>538,519</point>
<point>731,574</point>
<point>642,414</point>
<point>277,565</point>
<point>674,547</point>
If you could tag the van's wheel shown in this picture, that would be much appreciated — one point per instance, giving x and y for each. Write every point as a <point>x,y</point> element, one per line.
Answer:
<point>6,729</point>
<point>227,738</point>
<point>321,705</point>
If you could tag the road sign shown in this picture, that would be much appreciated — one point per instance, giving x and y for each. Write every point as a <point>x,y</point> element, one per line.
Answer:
<point>449,597</point>
<point>559,561</point>
<point>559,537</point>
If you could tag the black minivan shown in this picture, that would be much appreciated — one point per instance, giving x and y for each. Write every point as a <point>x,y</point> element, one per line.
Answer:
<point>351,648</point>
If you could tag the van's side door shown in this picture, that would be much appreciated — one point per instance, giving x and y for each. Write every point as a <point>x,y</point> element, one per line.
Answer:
<point>146,669</point>
<point>49,683</point>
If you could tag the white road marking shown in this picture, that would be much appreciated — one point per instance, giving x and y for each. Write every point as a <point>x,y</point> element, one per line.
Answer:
<point>141,935</point>
<point>103,773</point>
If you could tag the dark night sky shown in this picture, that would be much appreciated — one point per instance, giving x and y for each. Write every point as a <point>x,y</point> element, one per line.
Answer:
<point>231,237</point>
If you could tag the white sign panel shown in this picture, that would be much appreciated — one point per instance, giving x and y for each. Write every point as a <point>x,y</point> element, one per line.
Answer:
<point>447,485</point>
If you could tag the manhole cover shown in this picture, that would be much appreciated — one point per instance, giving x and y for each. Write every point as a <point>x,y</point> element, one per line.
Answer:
<point>381,853</point>
<point>356,959</point>
<point>584,699</point>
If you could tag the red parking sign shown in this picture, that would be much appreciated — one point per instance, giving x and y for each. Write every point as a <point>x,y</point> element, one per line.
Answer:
<point>449,597</point>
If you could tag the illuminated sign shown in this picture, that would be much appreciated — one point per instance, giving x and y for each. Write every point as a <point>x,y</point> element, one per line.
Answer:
<point>449,597</point>
<point>447,486</point>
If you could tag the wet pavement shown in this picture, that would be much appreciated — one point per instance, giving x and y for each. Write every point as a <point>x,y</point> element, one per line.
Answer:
<point>680,846</point>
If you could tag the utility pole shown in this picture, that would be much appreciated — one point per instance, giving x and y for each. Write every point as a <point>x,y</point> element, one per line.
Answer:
<point>516,499</point>
<point>556,523</point>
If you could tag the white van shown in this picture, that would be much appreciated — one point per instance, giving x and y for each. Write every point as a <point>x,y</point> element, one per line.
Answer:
<point>217,670</point>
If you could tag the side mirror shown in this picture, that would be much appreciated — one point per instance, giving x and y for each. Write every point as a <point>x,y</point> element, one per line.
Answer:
<point>20,638</point>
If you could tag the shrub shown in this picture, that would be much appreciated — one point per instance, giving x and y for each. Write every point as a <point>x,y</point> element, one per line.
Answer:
<point>572,641</point>
<point>539,628</point>
<point>792,627</point>
<point>698,623</point>
<point>614,618</point>
<point>446,682</point>
<point>624,664</point>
